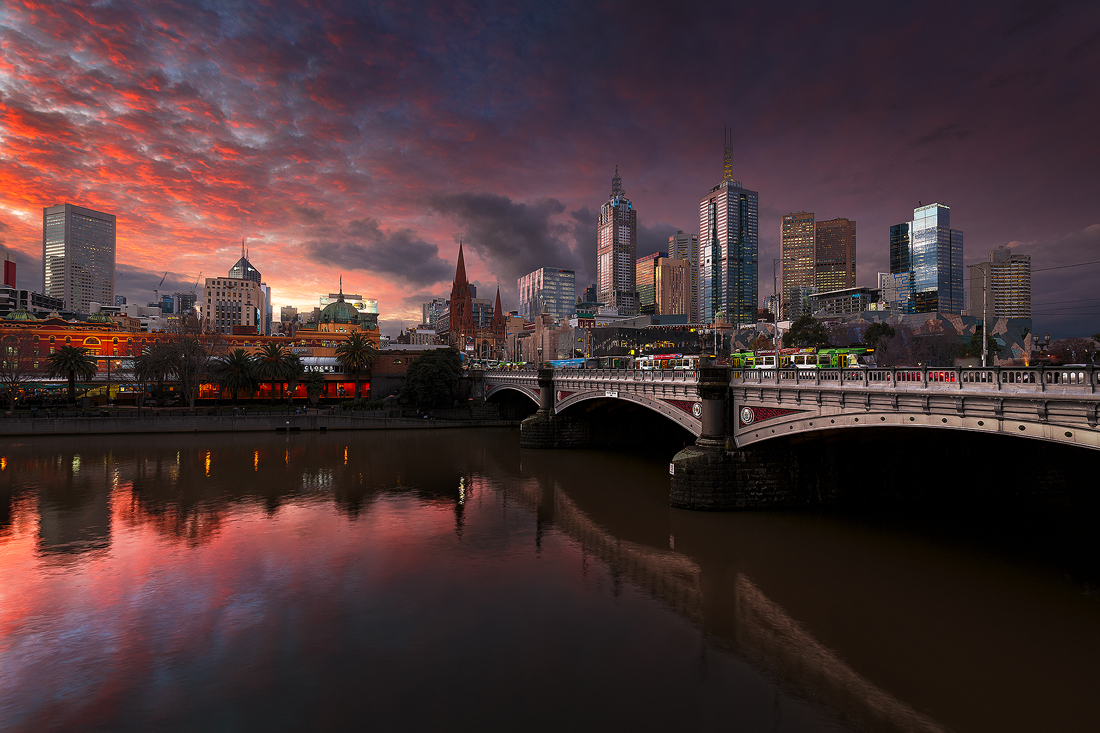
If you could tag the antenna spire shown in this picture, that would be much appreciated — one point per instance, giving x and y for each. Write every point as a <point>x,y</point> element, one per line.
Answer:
<point>727,154</point>
<point>617,191</point>
<point>242,247</point>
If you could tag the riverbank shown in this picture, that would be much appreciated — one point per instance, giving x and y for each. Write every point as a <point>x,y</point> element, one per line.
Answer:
<point>190,421</point>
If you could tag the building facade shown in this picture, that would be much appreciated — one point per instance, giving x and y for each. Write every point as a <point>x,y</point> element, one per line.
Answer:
<point>796,241</point>
<point>900,287</point>
<point>834,255</point>
<point>683,246</point>
<point>78,256</point>
<point>230,302</point>
<point>1001,287</point>
<point>645,279</point>
<point>936,260</point>
<point>549,289</point>
<point>729,242</point>
<point>617,251</point>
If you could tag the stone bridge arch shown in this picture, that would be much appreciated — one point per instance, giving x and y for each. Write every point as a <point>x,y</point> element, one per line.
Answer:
<point>684,413</point>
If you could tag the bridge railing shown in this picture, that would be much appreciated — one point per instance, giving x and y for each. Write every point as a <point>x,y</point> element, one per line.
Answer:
<point>1075,379</point>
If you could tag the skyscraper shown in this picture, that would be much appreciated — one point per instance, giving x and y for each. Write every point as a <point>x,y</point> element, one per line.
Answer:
<point>796,240</point>
<point>646,281</point>
<point>78,256</point>
<point>901,282</point>
<point>616,251</point>
<point>729,241</point>
<point>686,247</point>
<point>834,255</point>
<point>936,258</point>
<point>932,253</point>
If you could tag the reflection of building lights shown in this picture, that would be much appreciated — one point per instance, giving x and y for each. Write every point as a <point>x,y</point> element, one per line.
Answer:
<point>76,464</point>
<point>3,464</point>
<point>256,461</point>
<point>288,456</point>
<point>345,455</point>
<point>461,489</point>
<point>207,463</point>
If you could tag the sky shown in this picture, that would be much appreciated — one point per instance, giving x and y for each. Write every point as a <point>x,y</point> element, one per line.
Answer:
<point>364,140</point>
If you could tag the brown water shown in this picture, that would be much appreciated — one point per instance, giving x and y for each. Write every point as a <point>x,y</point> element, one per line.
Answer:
<point>449,579</point>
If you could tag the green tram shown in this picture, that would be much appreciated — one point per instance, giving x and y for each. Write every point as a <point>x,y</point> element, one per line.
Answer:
<point>852,357</point>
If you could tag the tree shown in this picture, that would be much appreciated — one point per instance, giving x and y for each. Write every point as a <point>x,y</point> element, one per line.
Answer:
<point>152,365</point>
<point>356,355</point>
<point>1074,350</point>
<point>273,365</point>
<point>18,363</point>
<point>876,332</point>
<point>295,371</point>
<point>807,331</point>
<point>188,359</point>
<point>973,348</point>
<point>761,342</point>
<point>235,372</point>
<point>315,385</point>
<point>70,361</point>
<point>432,380</point>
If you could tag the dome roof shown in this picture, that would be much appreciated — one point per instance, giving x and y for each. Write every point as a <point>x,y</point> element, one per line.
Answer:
<point>21,314</point>
<point>340,312</point>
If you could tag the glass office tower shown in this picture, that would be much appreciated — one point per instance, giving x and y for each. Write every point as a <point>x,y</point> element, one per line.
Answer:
<point>936,261</point>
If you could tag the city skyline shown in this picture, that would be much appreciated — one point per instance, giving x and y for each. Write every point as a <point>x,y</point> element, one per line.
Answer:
<point>369,144</point>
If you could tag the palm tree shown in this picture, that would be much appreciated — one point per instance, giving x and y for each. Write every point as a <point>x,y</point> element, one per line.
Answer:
<point>355,355</point>
<point>273,365</point>
<point>70,361</point>
<point>236,372</point>
<point>295,370</point>
<point>152,365</point>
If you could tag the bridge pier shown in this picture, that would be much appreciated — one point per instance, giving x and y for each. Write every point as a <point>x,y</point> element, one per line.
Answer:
<point>704,475</point>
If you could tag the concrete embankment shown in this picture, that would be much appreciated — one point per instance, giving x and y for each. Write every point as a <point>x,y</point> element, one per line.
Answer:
<point>169,423</point>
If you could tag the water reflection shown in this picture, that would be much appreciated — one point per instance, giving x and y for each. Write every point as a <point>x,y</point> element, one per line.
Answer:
<point>206,578</point>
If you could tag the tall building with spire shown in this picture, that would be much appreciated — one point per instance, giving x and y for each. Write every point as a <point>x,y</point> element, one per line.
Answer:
<point>616,251</point>
<point>729,244</point>
<point>461,318</point>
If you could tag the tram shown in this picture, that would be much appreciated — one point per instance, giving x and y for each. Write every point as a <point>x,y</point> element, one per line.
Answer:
<point>852,357</point>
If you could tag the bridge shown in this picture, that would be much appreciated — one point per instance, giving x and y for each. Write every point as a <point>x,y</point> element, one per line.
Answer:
<point>730,410</point>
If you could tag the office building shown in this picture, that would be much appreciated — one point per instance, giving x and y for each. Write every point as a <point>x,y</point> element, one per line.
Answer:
<point>729,241</point>
<point>9,270</point>
<point>645,279</point>
<point>683,246</point>
<point>120,300</point>
<point>617,251</point>
<point>78,256</point>
<point>796,241</point>
<point>233,305</point>
<point>673,287</point>
<point>288,314</point>
<point>551,290</point>
<point>936,261</point>
<point>185,303</point>
<point>834,255</point>
<point>931,253</point>
<point>1001,287</point>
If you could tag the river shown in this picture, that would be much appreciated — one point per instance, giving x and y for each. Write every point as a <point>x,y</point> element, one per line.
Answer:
<point>430,579</point>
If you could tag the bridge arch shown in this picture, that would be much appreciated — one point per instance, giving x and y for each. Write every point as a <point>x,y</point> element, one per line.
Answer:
<point>494,390</point>
<point>679,412</point>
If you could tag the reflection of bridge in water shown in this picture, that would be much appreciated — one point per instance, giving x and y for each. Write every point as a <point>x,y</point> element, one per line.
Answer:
<point>729,411</point>
<point>752,626</point>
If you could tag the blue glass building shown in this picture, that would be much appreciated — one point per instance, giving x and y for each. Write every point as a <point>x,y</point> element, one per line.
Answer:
<point>729,245</point>
<point>931,252</point>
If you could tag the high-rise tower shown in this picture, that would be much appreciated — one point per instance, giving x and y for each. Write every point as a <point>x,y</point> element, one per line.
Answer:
<point>796,240</point>
<point>834,254</point>
<point>616,251</point>
<point>686,247</point>
<point>78,256</point>
<point>936,259</point>
<point>729,241</point>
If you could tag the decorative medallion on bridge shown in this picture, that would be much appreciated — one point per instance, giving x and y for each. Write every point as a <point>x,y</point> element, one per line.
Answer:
<point>694,409</point>
<point>749,415</point>
<point>562,394</point>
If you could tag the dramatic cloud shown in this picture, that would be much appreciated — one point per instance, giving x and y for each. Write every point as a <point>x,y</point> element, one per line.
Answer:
<point>515,237</point>
<point>200,124</point>
<point>366,246</point>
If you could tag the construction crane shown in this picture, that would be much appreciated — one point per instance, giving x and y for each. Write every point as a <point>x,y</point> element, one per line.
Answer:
<point>156,290</point>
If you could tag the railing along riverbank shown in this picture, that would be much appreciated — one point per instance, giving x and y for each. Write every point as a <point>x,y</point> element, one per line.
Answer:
<point>211,421</point>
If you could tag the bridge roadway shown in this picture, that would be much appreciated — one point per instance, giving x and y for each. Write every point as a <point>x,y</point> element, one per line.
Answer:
<point>1051,404</point>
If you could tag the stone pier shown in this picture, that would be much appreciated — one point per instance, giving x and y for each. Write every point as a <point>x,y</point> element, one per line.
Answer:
<point>704,475</point>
